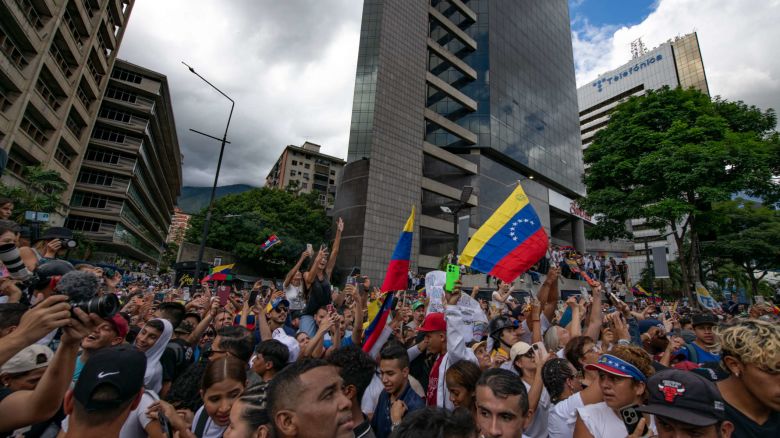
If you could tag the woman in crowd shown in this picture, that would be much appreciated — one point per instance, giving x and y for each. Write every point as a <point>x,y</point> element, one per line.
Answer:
<point>562,382</point>
<point>317,283</point>
<point>581,351</point>
<point>461,380</point>
<point>248,416</point>
<point>223,383</point>
<point>152,340</point>
<point>623,377</point>
<point>527,361</point>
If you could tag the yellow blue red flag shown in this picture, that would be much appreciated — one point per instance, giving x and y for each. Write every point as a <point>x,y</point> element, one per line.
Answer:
<point>509,242</point>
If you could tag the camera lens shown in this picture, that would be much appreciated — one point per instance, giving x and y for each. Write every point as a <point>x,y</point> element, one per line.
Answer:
<point>104,307</point>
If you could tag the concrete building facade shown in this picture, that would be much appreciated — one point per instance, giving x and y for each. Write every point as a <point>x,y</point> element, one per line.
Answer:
<point>179,224</point>
<point>675,63</point>
<point>450,94</point>
<point>131,174</point>
<point>304,169</point>
<point>54,68</point>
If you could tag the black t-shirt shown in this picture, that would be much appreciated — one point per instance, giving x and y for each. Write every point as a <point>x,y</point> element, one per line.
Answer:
<point>319,296</point>
<point>744,427</point>
<point>175,359</point>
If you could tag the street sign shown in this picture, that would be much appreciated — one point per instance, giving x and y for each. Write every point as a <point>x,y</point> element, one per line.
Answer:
<point>37,216</point>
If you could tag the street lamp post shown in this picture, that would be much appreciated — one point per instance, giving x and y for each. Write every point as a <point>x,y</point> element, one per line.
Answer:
<point>207,222</point>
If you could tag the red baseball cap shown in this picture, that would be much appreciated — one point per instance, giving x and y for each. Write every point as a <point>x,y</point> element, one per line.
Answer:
<point>434,322</point>
<point>120,325</point>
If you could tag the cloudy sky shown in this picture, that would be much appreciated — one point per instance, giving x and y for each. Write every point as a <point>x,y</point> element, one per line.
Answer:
<point>290,65</point>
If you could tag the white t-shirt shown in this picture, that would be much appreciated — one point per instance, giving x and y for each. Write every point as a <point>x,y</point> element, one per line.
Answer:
<point>135,425</point>
<point>562,417</point>
<point>601,421</point>
<point>371,396</point>
<point>538,425</point>
<point>211,430</point>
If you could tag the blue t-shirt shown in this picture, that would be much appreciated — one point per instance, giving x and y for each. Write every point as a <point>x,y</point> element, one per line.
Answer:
<point>78,368</point>
<point>703,356</point>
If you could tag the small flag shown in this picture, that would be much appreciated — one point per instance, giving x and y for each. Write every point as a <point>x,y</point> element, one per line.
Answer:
<point>398,269</point>
<point>221,273</point>
<point>273,240</point>
<point>509,242</point>
<point>378,332</point>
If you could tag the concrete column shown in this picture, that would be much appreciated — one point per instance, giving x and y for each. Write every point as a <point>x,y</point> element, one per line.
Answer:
<point>578,234</point>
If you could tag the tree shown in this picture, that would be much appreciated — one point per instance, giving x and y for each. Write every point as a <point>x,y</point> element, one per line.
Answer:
<point>670,154</point>
<point>747,234</point>
<point>43,192</point>
<point>242,222</point>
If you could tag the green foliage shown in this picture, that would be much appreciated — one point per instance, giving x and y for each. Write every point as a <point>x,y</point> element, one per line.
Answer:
<point>242,222</point>
<point>669,155</point>
<point>43,192</point>
<point>748,234</point>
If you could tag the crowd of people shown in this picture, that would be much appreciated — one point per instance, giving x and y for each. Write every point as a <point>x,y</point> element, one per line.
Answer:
<point>84,352</point>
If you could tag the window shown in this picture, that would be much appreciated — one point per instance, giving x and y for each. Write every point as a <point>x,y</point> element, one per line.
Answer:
<point>307,166</point>
<point>110,113</point>
<point>332,172</point>
<point>47,95</point>
<point>12,50</point>
<point>108,135</point>
<point>96,178</point>
<point>64,154</point>
<point>89,200</point>
<point>294,163</point>
<point>127,76</point>
<point>74,123</point>
<point>332,182</point>
<point>305,176</point>
<point>116,93</point>
<point>34,131</point>
<point>293,173</point>
<point>305,185</point>
<point>30,13</point>
<point>102,156</point>
<point>80,223</point>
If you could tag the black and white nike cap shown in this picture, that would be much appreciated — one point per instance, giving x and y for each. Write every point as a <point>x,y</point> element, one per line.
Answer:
<point>111,377</point>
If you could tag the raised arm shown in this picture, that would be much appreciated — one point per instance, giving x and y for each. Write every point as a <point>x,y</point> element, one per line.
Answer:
<point>334,252</point>
<point>594,324</point>
<point>288,279</point>
<point>204,323</point>
<point>314,269</point>
<point>456,345</point>
<point>575,326</point>
<point>552,294</point>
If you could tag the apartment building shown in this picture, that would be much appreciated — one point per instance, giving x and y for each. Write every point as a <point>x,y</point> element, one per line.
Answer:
<point>55,60</point>
<point>304,169</point>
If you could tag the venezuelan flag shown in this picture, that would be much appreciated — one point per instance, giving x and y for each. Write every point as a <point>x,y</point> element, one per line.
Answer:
<point>509,242</point>
<point>379,331</point>
<point>221,273</point>
<point>398,268</point>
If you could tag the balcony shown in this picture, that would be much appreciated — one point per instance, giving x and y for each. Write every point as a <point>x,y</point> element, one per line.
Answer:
<point>116,10</point>
<point>124,166</point>
<point>71,35</point>
<point>63,65</point>
<point>32,18</point>
<point>111,209</point>
<point>117,188</point>
<point>43,107</point>
<point>12,51</point>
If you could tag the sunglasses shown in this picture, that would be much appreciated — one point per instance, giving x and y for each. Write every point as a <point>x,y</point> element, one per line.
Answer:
<point>281,309</point>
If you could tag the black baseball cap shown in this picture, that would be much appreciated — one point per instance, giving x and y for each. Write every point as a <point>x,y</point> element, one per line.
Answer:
<point>684,396</point>
<point>704,319</point>
<point>121,367</point>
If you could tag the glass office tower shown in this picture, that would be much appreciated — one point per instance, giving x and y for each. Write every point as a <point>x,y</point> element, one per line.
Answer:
<point>454,93</point>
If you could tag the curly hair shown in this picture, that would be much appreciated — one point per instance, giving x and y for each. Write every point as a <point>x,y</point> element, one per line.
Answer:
<point>573,350</point>
<point>636,356</point>
<point>752,341</point>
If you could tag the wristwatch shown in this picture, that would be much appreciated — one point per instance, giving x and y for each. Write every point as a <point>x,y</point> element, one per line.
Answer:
<point>623,342</point>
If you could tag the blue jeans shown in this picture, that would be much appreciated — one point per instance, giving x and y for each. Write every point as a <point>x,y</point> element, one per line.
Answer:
<point>308,325</point>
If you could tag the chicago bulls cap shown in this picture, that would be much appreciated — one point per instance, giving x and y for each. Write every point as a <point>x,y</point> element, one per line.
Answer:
<point>685,397</point>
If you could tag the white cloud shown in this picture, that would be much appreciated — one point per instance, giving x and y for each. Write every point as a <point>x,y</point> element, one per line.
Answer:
<point>289,65</point>
<point>738,41</point>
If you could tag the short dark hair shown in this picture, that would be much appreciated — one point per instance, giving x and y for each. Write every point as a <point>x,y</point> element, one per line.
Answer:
<point>102,416</point>
<point>6,225</point>
<point>237,340</point>
<point>286,386</point>
<point>173,312</point>
<point>275,352</point>
<point>11,314</point>
<point>356,367</point>
<point>505,383</point>
<point>394,351</point>
<point>436,422</point>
